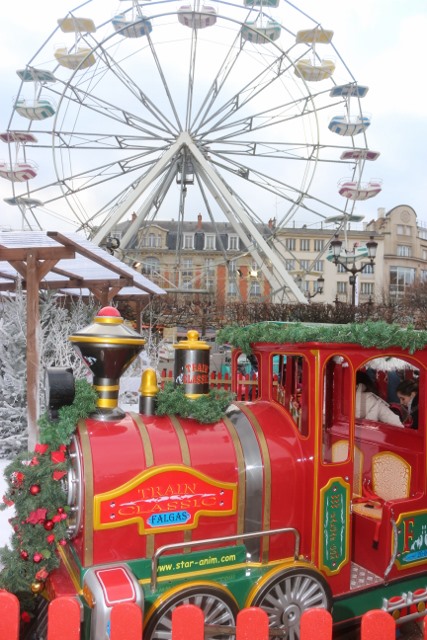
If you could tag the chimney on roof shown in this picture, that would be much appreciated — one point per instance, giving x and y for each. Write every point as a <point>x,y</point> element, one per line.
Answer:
<point>381,212</point>
<point>199,221</point>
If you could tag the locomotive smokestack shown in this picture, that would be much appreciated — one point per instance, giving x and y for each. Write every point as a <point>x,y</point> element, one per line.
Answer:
<point>108,347</point>
<point>192,365</point>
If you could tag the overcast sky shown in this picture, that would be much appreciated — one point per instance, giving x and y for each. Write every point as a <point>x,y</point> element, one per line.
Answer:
<point>381,41</point>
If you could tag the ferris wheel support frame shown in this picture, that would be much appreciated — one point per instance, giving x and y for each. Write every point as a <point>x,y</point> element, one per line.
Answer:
<point>239,219</point>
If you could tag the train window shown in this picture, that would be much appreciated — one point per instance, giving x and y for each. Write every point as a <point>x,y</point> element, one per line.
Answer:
<point>337,392</point>
<point>291,388</point>
<point>387,391</point>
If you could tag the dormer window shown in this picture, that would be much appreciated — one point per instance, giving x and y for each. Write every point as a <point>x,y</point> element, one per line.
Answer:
<point>210,241</point>
<point>233,242</point>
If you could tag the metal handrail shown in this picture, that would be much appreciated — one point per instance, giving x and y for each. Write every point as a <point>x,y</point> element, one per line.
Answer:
<point>223,539</point>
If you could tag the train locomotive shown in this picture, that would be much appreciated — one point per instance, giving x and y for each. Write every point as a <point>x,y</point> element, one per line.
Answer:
<point>288,502</point>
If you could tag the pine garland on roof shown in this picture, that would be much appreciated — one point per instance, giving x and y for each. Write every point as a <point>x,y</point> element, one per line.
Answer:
<point>367,334</point>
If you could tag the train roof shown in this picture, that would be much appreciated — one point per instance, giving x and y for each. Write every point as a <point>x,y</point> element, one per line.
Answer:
<point>380,335</point>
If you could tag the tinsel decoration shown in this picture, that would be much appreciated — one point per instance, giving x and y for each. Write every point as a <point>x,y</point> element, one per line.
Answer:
<point>207,408</point>
<point>37,494</point>
<point>367,334</point>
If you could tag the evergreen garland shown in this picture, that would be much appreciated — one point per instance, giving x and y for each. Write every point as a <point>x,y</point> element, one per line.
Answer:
<point>367,334</point>
<point>37,493</point>
<point>207,408</point>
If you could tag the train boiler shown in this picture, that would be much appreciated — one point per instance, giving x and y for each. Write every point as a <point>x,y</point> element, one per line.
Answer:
<point>264,507</point>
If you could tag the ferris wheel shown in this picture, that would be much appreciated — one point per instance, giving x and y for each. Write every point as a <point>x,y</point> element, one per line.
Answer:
<point>159,110</point>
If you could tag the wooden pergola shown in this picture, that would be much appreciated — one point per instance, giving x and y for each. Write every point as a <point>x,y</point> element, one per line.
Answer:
<point>53,260</point>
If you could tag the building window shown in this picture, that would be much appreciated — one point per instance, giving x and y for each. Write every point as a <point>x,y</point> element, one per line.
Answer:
<point>305,265</point>
<point>340,268</point>
<point>404,251</point>
<point>422,233</point>
<point>290,244</point>
<point>368,268</point>
<point>188,241</point>
<point>367,288</point>
<point>318,266</point>
<point>319,245</point>
<point>232,266</point>
<point>304,244</point>
<point>210,241</point>
<point>151,265</point>
<point>233,243</point>
<point>400,279</point>
<point>424,254</point>
<point>232,287</point>
<point>187,284</point>
<point>404,230</point>
<point>290,265</point>
<point>209,267</point>
<point>423,276</point>
<point>342,287</point>
<point>255,289</point>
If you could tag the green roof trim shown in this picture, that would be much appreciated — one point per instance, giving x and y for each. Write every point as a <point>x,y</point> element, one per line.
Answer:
<point>366,334</point>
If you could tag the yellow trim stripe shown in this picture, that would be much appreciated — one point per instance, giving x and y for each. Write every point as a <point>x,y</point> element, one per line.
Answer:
<point>149,462</point>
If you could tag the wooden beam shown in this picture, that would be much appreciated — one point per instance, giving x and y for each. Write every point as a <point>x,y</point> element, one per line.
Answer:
<point>104,294</point>
<point>42,253</point>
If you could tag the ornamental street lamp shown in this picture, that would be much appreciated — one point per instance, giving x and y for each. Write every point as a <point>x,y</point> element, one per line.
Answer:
<point>348,261</point>
<point>319,288</point>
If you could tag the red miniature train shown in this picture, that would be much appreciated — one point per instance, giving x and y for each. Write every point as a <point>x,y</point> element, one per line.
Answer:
<point>288,502</point>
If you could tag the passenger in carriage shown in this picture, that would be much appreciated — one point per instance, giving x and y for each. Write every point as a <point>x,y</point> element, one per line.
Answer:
<point>369,405</point>
<point>407,392</point>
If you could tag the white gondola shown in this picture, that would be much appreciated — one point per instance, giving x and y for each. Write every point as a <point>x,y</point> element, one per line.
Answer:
<point>197,19</point>
<point>359,191</point>
<point>18,171</point>
<point>76,57</point>
<point>345,126</point>
<point>260,31</point>
<point>82,58</point>
<point>39,108</point>
<point>351,90</point>
<point>35,109</point>
<point>312,69</point>
<point>134,28</point>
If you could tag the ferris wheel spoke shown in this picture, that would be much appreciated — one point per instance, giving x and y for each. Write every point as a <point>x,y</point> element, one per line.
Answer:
<point>250,91</point>
<point>273,117</point>
<point>136,90</point>
<point>224,71</point>
<point>92,103</point>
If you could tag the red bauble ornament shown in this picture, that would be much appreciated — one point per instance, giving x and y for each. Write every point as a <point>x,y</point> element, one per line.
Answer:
<point>48,525</point>
<point>35,489</point>
<point>50,538</point>
<point>24,555</point>
<point>37,557</point>
<point>60,509</point>
<point>25,616</point>
<point>63,542</point>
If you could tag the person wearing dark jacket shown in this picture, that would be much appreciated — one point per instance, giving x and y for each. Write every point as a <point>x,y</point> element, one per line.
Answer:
<point>407,392</point>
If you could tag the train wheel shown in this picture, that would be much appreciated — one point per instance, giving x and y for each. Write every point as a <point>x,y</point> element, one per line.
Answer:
<point>217,604</point>
<point>286,594</point>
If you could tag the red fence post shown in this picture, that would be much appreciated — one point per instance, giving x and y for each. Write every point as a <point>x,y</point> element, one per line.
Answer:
<point>126,622</point>
<point>252,624</point>
<point>378,624</point>
<point>316,623</point>
<point>188,623</point>
<point>63,619</point>
<point>9,616</point>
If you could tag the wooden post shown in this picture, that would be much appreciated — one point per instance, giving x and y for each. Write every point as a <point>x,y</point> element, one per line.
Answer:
<point>33,350</point>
